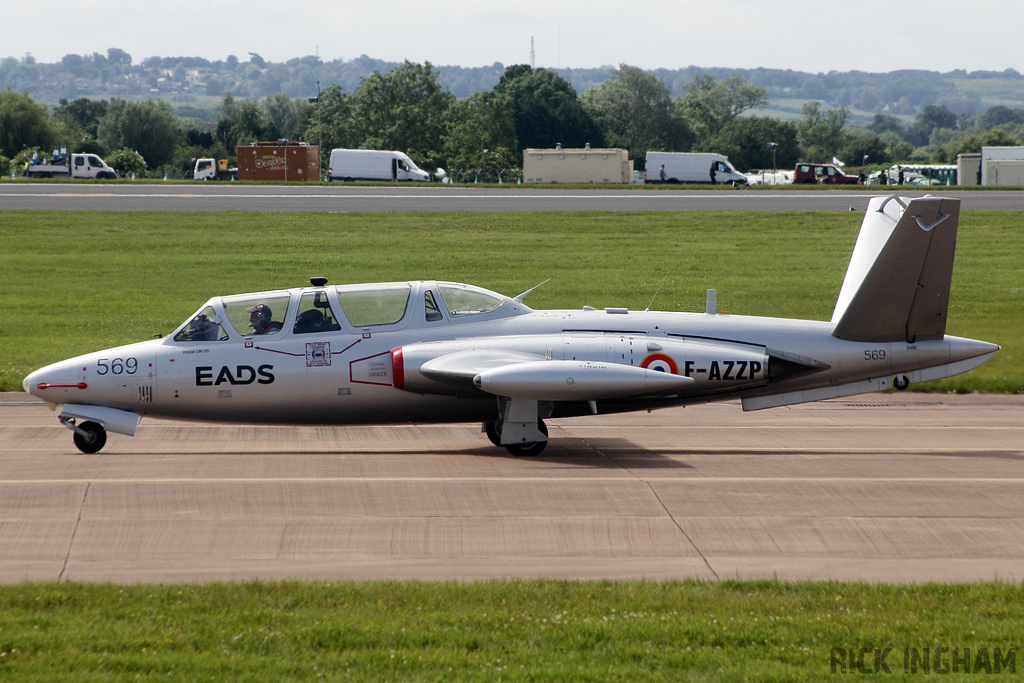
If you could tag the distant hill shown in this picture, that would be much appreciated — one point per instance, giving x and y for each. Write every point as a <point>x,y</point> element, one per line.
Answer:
<point>194,85</point>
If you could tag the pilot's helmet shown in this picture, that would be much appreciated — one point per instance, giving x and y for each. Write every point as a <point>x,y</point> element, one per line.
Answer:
<point>259,316</point>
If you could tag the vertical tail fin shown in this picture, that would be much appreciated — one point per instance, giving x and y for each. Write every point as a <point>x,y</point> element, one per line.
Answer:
<point>897,284</point>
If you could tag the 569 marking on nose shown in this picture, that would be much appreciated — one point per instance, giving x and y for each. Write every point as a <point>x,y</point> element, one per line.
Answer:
<point>117,366</point>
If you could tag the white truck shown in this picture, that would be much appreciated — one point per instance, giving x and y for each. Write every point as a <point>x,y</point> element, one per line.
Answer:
<point>213,169</point>
<point>71,166</point>
<point>687,167</point>
<point>371,164</point>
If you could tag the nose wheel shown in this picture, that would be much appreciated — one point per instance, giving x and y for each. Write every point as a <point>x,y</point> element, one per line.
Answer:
<point>89,437</point>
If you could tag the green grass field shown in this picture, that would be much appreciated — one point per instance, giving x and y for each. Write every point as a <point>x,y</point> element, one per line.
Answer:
<point>507,631</point>
<point>72,283</point>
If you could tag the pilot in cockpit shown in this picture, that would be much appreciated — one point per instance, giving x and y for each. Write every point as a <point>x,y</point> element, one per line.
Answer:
<point>261,320</point>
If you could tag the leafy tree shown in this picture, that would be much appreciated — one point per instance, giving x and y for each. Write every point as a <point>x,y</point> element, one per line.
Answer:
<point>931,118</point>
<point>73,63</point>
<point>241,123</point>
<point>337,127</point>
<point>481,122</point>
<point>821,132</point>
<point>546,109</point>
<point>745,142</point>
<point>84,112</point>
<point>126,162</point>
<point>860,150</point>
<point>972,144</point>
<point>935,116</point>
<point>403,109</point>
<point>896,148</point>
<point>634,111</point>
<point>710,104</point>
<point>118,56</point>
<point>882,124</point>
<point>23,124</point>
<point>1000,116</point>
<point>284,114</point>
<point>148,127</point>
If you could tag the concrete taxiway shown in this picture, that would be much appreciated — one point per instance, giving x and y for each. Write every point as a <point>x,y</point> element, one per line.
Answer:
<point>896,487</point>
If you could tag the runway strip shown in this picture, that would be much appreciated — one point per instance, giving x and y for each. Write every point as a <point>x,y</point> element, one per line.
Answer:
<point>907,487</point>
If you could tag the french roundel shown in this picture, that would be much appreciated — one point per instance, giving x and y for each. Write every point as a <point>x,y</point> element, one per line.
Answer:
<point>659,362</point>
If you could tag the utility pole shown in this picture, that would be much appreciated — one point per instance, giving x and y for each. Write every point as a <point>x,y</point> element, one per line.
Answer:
<point>315,101</point>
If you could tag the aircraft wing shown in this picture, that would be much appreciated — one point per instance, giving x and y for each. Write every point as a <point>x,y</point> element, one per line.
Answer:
<point>515,374</point>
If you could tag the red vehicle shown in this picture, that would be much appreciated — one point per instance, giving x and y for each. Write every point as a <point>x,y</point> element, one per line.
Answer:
<point>822,173</point>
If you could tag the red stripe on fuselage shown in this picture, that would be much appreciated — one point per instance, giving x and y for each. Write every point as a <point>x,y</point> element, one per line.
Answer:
<point>398,368</point>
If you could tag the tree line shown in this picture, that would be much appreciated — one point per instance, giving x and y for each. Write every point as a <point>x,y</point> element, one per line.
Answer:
<point>482,136</point>
<point>191,81</point>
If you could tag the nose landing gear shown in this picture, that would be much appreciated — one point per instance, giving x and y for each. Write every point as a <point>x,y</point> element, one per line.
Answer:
<point>89,437</point>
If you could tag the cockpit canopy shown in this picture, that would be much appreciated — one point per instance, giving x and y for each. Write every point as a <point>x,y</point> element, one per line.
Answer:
<point>345,307</point>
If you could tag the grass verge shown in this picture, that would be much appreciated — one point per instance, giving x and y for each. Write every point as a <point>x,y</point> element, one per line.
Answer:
<point>507,630</point>
<point>77,282</point>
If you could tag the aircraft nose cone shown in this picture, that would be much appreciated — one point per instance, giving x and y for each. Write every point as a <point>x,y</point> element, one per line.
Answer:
<point>32,382</point>
<point>56,382</point>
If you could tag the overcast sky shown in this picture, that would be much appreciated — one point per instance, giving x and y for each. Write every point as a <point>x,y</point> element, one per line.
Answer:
<point>842,35</point>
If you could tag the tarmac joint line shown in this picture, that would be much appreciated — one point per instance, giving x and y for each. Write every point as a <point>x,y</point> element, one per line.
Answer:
<point>74,531</point>
<point>682,530</point>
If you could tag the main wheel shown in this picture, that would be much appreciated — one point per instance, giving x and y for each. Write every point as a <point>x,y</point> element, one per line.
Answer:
<point>493,432</point>
<point>94,440</point>
<point>523,450</point>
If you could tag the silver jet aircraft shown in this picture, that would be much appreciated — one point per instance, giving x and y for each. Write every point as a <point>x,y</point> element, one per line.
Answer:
<point>445,352</point>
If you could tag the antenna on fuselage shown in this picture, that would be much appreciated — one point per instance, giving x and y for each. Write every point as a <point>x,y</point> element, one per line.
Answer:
<point>524,294</point>
<point>657,292</point>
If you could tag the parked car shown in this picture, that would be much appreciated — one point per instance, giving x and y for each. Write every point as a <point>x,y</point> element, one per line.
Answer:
<point>823,173</point>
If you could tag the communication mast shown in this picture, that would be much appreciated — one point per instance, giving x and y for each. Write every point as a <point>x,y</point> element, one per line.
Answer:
<point>531,53</point>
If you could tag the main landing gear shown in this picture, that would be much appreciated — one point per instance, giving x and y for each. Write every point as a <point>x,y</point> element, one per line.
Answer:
<point>493,431</point>
<point>89,437</point>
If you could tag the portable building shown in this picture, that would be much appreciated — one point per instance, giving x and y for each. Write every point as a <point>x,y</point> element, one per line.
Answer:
<point>279,160</point>
<point>586,165</point>
<point>1002,165</point>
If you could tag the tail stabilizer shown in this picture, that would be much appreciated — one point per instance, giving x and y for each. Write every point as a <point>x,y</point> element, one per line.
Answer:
<point>897,284</point>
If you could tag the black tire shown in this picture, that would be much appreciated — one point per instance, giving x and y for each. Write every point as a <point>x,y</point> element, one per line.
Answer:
<point>528,450</point>
<point>901,382</point>
<point>96,439</point>
<point>493,432</point>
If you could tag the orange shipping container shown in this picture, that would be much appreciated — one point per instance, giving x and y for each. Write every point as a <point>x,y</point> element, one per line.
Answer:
<point>279,160</point>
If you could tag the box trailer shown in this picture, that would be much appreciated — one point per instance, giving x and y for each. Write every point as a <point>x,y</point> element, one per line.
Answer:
<point>280,160</point>
<point>576,165</point>
<point>373,164</point>
<point>1002,165</point>
<point>690,167</point>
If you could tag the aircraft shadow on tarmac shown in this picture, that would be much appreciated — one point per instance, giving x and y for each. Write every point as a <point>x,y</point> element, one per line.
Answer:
<point>593,453</point>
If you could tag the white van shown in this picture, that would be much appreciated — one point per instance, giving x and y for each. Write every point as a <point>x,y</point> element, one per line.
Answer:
<point>685,167</point>
<point>371,164</point>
